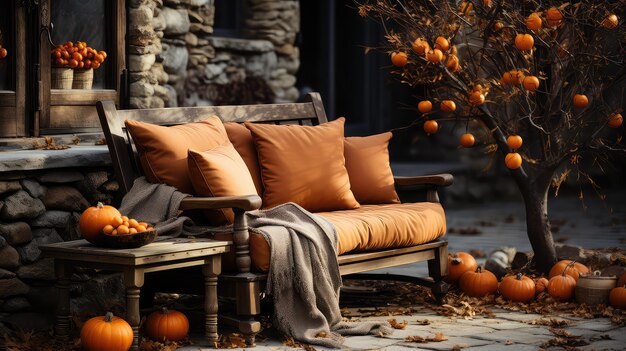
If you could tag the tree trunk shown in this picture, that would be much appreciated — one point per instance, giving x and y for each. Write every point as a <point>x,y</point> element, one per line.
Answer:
<point>537,224</point>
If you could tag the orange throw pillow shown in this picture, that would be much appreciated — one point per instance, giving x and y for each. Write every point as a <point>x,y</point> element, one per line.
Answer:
<point>219,172</point>
<point>367,162</point>
<point>304,164</point>
<point>163,150</point>
<point>243,142</point>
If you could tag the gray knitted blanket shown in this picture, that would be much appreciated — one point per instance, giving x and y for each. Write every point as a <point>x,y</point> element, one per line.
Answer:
<point>304,277</point>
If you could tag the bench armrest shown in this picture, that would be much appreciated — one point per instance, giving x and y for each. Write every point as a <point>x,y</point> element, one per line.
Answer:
<point>435,179</point>
<point>245,202</point>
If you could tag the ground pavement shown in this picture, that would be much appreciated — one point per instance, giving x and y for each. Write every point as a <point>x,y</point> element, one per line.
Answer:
<point>600,225</point>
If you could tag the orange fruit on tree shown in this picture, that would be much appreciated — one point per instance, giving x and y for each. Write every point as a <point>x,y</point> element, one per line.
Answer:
<point>514,141</point>
<point>615,120</point>
<point>467,140</point>
<point>398,59</point>
<point>517,77</point>
<point>425,106</point>
<point>610,22</point>
<point>524,42</point>
<point>442,44</point>
<point>513,160</point>
<point>554,17</point>
<point>447,106</point>
<point>431,127</point>
<point>476,98</point>
<point>3,53</point>
<point>507,78</point>
<point>487,3</point>
<point>530,83</point>
<point>580,100</point>
<point>498,25</point>
<point>533,22</point>
<point>420,46</point>
<point>453,63</point>
<point>434,56</point>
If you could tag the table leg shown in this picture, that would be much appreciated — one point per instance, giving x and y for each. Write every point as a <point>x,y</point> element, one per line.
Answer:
<point>133,280</point>
<point>211,269</point>
<point>63,317</point>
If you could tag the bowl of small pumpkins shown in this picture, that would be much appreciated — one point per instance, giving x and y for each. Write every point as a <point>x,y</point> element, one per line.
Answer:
<point>104,225</point>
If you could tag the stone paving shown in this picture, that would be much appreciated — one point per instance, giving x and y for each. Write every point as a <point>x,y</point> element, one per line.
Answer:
<point>595,227</point>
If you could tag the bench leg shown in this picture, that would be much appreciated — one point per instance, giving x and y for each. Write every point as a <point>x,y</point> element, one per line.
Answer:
<point>248,305</point>
<point>63,320</point>
<point>133,280</point>
<point>438,269</point>
<point>211,270</point>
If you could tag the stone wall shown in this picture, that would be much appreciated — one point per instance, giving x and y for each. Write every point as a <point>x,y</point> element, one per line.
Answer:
<point>174,59</point>
<point>43,207</point>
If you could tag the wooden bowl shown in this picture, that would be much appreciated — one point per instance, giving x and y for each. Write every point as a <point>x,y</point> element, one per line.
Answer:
<point>127,241</point>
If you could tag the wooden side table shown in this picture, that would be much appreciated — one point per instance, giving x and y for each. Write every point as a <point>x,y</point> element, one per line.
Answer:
<point>163,254</point>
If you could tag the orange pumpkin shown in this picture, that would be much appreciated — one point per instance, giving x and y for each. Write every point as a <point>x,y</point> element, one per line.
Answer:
<point>610,22</point>
<point>420,46</point>
<point>580,101</point>
<point>533,22</point>
<point>476,98</point>
<point>431,127</point>
<point>615,120</point>
<point>524,42</point>
<point>530,83</point>
<point>467,140</point>
<point>453,64</point>
<point>95,218</point>
<point>167,325</point>
<point>569,267</point>
<point>399,59</point>
<point>514,141</point>
<point>622,280</point>
<point>541,285</point>
<point>513,160</point>
<point>554,17</point>
<point>561,287</point>
<point>434,56</point>
<point>517,288</point>
<point>447,106</point>
<point>478,283</point>
<point>425,106</point>
<point>617,297</point>
<point>458,264</point>
<point>106,333</point>
<point>442,44</point>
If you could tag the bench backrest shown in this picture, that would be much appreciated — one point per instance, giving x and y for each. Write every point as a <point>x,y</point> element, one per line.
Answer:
<point>124,155</point>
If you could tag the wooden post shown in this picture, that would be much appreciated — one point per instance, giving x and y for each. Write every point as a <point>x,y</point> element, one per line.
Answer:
<point>63,317</point>
<point>438,269</point>
<point>133,280</point>
<point>211,270</point>
<point>241,238</point>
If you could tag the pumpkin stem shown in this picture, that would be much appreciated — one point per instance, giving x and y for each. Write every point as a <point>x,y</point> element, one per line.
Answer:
<point>568,266</point>
<point>99,205</point>
<point>519,276</point>
<point>108,317</point>
<point>164,310</point>
<point>456,260</point>
<point>479,269</point>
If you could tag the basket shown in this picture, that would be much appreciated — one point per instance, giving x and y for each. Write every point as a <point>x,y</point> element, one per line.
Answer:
<point>594,289</point>
<point>61,78</point>
<point>126,241</point>
<point>83,79</point>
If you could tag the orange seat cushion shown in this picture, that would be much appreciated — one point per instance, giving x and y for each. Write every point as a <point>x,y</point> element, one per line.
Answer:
<point>219,172</point>
<point>163,150</point>
<point>372,227</point>
<point>242,140</point>
<point>367,162</point>
<point>303,164</point>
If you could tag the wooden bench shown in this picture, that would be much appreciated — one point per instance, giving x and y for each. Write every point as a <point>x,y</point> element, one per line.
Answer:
<point>244,285</point>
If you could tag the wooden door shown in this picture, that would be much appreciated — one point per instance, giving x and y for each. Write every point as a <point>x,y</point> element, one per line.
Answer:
<point>13,69</point>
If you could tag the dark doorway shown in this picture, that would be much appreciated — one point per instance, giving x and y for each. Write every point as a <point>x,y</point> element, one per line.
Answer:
<point>353,84</point>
